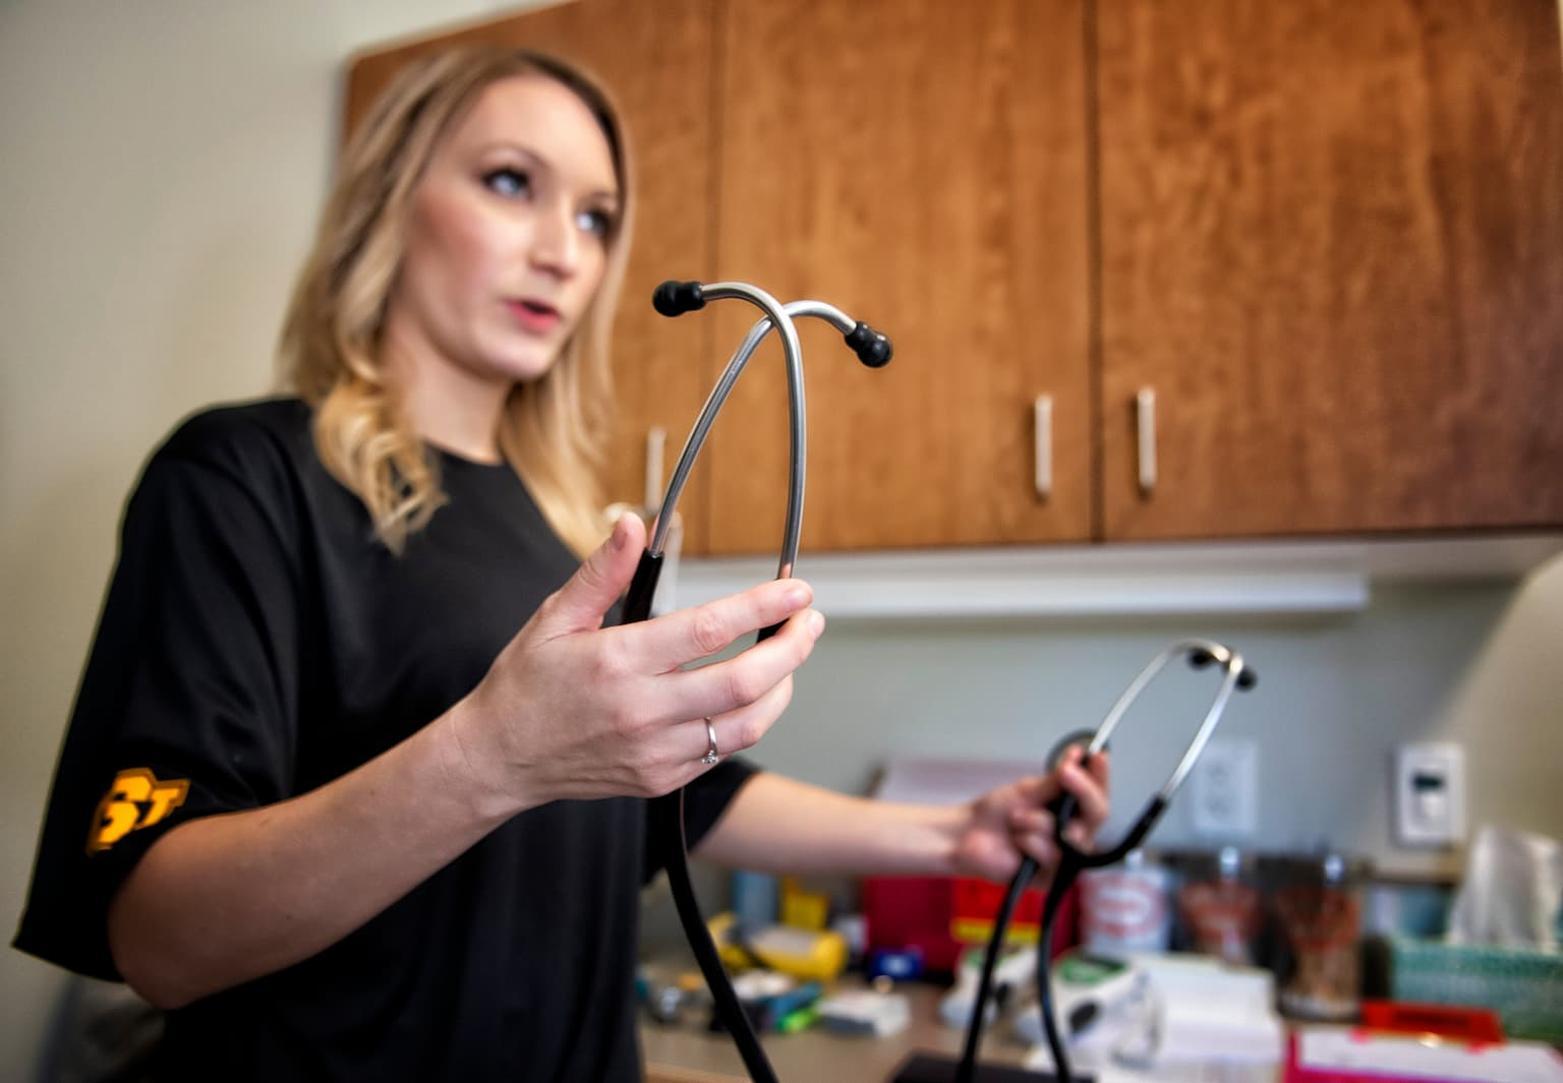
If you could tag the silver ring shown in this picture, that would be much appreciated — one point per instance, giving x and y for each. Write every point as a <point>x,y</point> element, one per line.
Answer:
<point>712,755</point>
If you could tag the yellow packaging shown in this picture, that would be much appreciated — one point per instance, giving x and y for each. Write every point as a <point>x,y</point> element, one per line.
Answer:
<point>805,954</point>
<point>803,909</point>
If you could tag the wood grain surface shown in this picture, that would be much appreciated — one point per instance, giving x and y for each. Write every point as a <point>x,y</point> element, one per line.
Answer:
<point>920,164</point>
<point>1332,241</point>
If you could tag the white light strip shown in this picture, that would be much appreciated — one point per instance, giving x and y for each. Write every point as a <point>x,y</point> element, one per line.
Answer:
<point>1129,579</point>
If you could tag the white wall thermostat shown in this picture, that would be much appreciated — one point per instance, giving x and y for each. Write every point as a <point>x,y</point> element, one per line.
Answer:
<point>1430,794</point>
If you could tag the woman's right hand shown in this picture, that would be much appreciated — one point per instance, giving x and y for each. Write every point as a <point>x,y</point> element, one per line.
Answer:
<point>571,709</point>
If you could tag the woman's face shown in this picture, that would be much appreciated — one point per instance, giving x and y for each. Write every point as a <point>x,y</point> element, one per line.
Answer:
<point>507,239</point>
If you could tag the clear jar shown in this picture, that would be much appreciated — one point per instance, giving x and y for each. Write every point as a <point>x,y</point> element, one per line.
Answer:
<point>1319,908</point>
<point>1223,913</point>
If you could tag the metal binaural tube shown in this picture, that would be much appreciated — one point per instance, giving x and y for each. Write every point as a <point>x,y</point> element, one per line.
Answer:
<point>1235,668</point>
<point>795,408</point>
<point>1231,681</point>
<point>697,437</point>
<point>718,397</point>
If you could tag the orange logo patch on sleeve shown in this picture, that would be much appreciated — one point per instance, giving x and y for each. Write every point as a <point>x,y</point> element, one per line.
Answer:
<point>135,799</point>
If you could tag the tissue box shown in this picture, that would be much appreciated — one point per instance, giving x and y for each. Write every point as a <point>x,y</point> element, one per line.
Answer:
<point>1524,986</point>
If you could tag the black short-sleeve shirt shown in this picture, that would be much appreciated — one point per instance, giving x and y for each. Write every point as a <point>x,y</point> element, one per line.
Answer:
<point>258,642</point>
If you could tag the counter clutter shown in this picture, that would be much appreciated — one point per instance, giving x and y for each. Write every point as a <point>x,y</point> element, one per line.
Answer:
<point>1132,1007</point>
<point>688,1052</point>
<point>1254,1048</point>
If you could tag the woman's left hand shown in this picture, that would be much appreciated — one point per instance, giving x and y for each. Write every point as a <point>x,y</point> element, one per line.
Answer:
<point>1012,822</point>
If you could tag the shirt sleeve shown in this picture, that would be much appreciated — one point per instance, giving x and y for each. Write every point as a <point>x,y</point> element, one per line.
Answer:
<point>705,800</point>
<point>188,703</point>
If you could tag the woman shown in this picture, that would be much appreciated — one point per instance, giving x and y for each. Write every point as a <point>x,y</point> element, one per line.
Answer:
<point>340,816</point>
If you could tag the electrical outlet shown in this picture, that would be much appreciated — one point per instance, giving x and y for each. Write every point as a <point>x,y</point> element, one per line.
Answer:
<point>1226,788</point>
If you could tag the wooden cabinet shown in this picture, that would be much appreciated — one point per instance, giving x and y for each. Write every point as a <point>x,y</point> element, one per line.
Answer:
<point>1328,237</point>
<point>1332,243</point>
<point>1328,240</point>
<point>922,165</point>
<point>657,61</point>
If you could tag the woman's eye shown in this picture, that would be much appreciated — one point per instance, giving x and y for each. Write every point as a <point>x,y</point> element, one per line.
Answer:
<point>597,223</point>
<point>508,182</point>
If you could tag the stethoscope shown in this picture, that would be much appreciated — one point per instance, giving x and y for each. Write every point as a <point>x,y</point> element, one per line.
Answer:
<point>667,812</point>
<point>1236,675</point>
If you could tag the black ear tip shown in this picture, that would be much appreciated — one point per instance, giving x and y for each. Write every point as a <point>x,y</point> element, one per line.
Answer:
<point>674,298</point>
<point>872,347</point>
<point>1199,658</point>
<point>662,298</point>
<point>878,354</point>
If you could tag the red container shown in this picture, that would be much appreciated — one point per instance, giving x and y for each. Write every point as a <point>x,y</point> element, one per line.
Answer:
<point>1462,1024</point>
<point>925,912</point>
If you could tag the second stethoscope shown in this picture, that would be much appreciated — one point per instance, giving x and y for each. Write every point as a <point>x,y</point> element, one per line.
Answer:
<point>1236,675</point>
<point>667,812</point>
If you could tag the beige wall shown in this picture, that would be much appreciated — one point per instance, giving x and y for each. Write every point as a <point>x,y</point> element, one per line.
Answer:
<point>163,165</point>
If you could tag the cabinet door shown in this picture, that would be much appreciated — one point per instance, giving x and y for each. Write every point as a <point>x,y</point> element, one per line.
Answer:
<point>921,165</point>
<point>656,61</point>
<point>1332,244</point>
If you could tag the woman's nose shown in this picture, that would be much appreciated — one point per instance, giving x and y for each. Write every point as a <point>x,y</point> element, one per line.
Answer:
<point>556,245</point>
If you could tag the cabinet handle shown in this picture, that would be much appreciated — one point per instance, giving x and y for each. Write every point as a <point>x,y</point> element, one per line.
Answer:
<point>1042,451</point>
<point>656,443</point>
<point>1145,416</point>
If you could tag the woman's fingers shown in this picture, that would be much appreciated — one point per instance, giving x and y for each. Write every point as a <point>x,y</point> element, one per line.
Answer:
<point>1100,768</point>
<point>736,731</point>
<point>579,605</point>
<point>1036,790</point>
<point>1030,820</point>
<point>1031,832</point>
<point>690,634</point>
<point>740,730</point>
<point>736,682</point>
<point>1040,848</point>
<point>1088,786</point>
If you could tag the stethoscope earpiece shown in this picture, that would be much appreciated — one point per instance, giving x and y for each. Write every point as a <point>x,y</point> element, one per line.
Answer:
<point>1199,658</point>
<point>872,347</point>
<point>674,298</point>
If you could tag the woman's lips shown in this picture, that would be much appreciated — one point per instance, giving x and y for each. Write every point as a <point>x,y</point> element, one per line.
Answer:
<point>537,317</point>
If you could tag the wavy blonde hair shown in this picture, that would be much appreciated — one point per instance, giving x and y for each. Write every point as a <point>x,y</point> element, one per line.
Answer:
<point>553,429</point>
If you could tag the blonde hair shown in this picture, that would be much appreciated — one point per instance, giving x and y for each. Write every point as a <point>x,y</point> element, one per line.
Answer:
<point>553,429</point>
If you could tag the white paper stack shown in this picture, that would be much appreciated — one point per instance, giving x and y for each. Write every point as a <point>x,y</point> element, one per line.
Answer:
<point>1213,1011</point>
<point>1343,1050</point>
